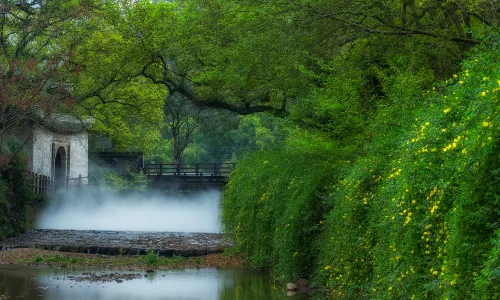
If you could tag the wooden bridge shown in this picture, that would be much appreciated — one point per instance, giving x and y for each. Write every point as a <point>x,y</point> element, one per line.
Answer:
<point>189,175</point>
<point>163,176</point>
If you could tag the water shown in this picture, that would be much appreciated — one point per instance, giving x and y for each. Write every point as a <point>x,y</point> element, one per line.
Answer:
<point>22,282</point>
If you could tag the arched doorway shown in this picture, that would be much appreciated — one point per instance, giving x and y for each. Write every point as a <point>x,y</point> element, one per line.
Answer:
<point>60,165</point>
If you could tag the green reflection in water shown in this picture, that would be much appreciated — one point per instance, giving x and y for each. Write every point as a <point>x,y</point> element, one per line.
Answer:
<point>21,282</point>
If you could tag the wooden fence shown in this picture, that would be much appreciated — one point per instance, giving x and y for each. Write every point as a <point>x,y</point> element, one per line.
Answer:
<point>41,184</point>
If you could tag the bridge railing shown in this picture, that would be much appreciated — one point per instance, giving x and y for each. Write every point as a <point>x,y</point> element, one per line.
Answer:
<point>69,183</point>
<point>197,169</point>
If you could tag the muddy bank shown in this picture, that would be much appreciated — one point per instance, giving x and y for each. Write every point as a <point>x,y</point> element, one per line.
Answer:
<point>119,242</point>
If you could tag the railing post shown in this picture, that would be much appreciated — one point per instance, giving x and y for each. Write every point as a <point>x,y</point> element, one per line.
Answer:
<point>37,184</point>
<point>161,170</point>
<point>79,181</point>
<point>32,179</point>
<point>215,169</point>
<point>178,168</point>
<point>67,182</point>
<point>42,185</point>
<point>197,169</point>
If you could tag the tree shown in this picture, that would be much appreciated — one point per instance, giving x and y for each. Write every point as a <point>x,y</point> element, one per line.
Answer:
<point>36,43</point>
<point>254,56</point>
<point>181,118</point>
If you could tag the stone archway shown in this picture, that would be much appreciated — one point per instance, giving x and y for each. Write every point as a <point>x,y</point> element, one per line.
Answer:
<point>60,166</point>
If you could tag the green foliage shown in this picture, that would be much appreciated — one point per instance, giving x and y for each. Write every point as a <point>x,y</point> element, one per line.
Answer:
<point>57,259</point>
<point>15,198</point>
<point>38,258</point>
<point>274,206</point>
<point>411,214</point>
<point>129,183</point>
<point>421,220</point>
<point>151,258</point>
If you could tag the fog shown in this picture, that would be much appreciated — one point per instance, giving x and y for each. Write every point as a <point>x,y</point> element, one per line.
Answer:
<point>132,212</point>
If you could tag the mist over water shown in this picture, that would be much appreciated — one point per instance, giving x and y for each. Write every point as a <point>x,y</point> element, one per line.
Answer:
<point>132,212</point>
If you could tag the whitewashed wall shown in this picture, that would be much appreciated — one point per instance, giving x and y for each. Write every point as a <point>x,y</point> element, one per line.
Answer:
<point>42,151</point>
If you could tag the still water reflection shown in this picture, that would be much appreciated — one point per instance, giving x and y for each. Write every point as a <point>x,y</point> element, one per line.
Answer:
<point>21,282</point>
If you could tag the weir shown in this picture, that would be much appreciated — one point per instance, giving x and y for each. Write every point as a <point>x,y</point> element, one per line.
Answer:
<point>117,223</point>
<point>119,242</point>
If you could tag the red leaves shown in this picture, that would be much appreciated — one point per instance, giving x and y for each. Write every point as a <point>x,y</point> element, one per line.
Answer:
<point>25,83</point>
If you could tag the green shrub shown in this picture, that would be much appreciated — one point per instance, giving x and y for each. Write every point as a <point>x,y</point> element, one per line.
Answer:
<point>151,258</point>
<point>131,182</point>
<point>274,203</point>
<point>413,215</point>
<point>15,197</point>
<point>421,220</point>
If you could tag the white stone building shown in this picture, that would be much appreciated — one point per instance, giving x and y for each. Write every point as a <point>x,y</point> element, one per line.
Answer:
<point>57,147</point>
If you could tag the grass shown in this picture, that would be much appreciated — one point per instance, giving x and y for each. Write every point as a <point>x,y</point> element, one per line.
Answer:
<point>149,260</point>
<point>58,259</point>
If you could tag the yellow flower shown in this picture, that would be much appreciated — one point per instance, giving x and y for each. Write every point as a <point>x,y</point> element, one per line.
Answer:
<point>486,124</point>
<point>447,110</point>
<point>390,288</point>
<point>483,93</point>
<point>461,82</point>
<point>327,267</point>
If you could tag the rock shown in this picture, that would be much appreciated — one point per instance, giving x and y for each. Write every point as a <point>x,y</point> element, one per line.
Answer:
<point>303,285</point>
<point>291,287</point>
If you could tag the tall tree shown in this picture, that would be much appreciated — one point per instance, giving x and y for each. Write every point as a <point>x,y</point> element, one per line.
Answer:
<point>35,53</point>
<point>181,118</point>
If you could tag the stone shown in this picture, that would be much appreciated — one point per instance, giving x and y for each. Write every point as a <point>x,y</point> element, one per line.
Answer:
<point>291,287</point>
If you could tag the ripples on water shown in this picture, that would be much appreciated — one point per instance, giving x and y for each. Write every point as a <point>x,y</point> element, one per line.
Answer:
<point>20,282</point>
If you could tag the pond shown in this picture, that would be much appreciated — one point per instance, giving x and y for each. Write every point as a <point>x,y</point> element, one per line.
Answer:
<point>24,282</point>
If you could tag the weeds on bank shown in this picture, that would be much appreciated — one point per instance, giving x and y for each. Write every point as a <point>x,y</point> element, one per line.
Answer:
<point>150,259</point>
<point>58,258</point>
<point>153,259</point>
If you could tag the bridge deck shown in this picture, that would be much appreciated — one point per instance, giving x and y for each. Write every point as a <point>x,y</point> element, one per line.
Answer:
<point>119,242</point>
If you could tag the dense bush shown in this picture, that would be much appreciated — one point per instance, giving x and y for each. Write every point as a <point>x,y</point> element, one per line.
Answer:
<point>415,215</point>
<point>130,182</point>
<point>422,221</point>
<point>15,198</point>
<point>274,203</point>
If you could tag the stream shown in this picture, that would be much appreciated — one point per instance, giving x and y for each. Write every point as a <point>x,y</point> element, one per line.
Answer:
<point>24,282</point>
